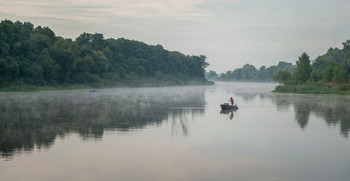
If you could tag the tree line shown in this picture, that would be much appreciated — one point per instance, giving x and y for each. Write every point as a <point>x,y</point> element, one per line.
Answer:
<point>36,56</point>
<point>250,73</point>
<point>327,71</point>
<point>330,70</point>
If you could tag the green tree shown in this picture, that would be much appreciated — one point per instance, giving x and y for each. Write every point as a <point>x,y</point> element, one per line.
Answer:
<point>262,70</point>
<point>101,63</point>
<point>340,76</point>
<point>50,68</point>
<point>46,32</point>
<point>84,64</point>
<point>211,75</point>
<point>4,48</point>
<point>303,69</point>
<point>35,72</point>
<point>39,42</point>
<point>346,45</point>
<point>327,74</point>
<point>9,70</point>
<point>282,76</point>
<point>249,72</point>
<point>316,75</point>
<point>141,71</point>
<point>65,59</point>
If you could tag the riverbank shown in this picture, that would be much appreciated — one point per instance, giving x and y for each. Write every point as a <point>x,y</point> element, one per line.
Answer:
<point>315,88</point>
<point>134,83</point>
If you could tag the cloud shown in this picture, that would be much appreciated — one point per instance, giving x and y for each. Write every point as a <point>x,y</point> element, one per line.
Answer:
<point>59,9</point>
<point>99,10</point>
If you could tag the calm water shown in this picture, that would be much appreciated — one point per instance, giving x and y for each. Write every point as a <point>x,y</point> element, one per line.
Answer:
<point>176,133</point>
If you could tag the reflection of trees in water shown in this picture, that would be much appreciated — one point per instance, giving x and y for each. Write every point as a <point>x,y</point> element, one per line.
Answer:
<point>247,96</point>
<point>179,119</point>
<point>302,113</point>
<point>332,108</point>
<point>34,120</point>
<point>251,96</point>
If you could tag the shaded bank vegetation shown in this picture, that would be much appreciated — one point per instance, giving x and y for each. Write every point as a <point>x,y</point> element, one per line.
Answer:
<point>36,56</point>
<point>36,120</point>
<point>328,73</point>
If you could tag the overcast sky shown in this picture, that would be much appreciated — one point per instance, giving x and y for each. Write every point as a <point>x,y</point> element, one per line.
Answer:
<point>230,33</point>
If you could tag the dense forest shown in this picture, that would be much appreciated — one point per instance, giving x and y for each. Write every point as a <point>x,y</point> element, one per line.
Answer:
<point>249,73</point>
<point>36,56</point>
<point>328,73</point>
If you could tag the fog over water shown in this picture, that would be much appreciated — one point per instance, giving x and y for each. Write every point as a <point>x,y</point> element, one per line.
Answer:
<point>174,133</point>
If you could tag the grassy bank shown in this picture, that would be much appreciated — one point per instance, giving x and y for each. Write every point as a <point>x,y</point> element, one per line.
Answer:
<point>315,88</point>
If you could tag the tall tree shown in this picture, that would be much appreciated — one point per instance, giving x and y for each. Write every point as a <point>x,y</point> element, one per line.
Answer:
<point>340,75</point>
<point>303,69</point>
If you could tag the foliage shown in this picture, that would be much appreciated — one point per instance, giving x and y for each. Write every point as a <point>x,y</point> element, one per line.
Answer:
<point>340,75</point>
<point>303,69</point>
<point>36,56</point>
<point>282,76</point>
<point>251,73</point>
<point>330,72</point>
<point>211,75</point>
<point>314,88</point>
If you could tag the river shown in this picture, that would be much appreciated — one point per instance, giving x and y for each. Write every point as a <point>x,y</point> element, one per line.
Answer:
<point>174,133</point>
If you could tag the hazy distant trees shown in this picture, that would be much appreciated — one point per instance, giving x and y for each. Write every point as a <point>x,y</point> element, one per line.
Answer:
<point>36,56</point>
<point>332,68</point>
<point>251,73</point>
<point>211,75</point>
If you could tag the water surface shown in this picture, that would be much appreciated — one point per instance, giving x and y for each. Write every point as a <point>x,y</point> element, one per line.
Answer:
<point>174,133</point>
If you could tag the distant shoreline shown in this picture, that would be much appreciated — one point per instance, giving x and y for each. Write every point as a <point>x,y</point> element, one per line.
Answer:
<point>130,84</point>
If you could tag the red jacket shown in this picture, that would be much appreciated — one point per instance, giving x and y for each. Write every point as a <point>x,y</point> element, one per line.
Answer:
<point>231,100</point>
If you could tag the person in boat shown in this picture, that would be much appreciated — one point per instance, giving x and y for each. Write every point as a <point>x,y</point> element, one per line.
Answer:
<point>231,101</point>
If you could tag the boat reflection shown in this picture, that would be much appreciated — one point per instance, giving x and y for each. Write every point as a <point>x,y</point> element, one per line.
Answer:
<point>229,112</point>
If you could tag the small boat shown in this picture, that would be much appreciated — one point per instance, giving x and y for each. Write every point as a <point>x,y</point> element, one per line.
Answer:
<point>227,106</point>
<point>93,90</point>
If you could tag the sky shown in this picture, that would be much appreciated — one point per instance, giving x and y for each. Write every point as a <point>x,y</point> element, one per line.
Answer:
<point>230,33</point>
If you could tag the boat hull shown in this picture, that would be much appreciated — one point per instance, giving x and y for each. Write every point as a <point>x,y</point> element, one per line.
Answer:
<point>228,107</point>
